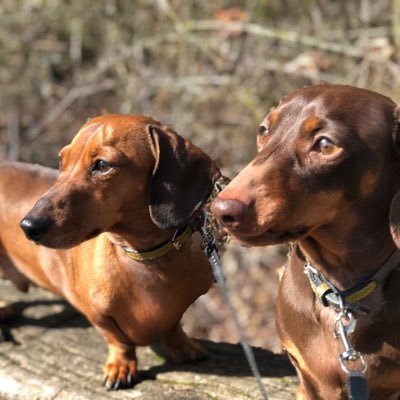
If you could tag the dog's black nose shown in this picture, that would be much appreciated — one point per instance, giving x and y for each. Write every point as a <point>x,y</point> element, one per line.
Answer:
<point>35,228</point>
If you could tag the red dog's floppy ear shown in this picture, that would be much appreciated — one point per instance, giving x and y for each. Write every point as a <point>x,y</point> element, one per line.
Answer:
<point>182,180</point>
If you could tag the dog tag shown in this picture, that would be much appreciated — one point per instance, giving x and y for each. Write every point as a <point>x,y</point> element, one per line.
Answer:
<point>358,386</point>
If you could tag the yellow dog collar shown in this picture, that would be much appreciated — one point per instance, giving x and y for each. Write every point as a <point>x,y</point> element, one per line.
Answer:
<point>175,243</point>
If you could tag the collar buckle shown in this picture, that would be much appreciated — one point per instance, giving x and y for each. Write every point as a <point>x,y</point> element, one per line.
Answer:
<point>176,242</point>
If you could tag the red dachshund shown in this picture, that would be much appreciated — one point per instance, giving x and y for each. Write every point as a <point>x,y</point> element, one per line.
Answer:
<point>115,223</point>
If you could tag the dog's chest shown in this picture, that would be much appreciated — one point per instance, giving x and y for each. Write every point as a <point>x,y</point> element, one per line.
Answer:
<point>148,301</point>
<point>314,351</point>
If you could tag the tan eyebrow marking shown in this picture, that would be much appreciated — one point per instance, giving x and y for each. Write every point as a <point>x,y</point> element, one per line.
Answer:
<point>88,129</point>
<point>273,116</point>
<point>311,124</point>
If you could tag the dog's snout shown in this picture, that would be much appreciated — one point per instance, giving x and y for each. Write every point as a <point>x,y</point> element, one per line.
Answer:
<point>229,212</point>
<point>35,227</point>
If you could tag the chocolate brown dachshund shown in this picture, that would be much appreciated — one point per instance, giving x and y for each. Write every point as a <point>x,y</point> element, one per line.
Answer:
<point>326,179</point>
<point>113,234</point>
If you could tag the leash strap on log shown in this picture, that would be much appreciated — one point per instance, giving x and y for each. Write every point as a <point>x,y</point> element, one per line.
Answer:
<point>210,249</point>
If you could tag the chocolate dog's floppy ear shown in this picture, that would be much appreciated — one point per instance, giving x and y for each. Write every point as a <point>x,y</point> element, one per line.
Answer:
<point>182,180</point>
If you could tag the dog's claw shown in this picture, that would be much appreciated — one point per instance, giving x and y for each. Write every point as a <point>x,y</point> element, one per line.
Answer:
<point>110,385</point>
<point>130,381</point>
<point>118,385</point>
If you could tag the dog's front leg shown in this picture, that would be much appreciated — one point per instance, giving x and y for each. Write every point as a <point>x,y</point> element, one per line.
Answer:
<point>301,393</point>
<point>120,369</point>
<point>180,348</point>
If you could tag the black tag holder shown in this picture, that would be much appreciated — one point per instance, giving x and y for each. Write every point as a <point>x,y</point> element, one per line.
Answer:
<point>357,385</point>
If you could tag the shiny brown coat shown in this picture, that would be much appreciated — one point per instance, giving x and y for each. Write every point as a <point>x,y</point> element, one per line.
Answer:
<point>153,182</point>
<point>326,179</point>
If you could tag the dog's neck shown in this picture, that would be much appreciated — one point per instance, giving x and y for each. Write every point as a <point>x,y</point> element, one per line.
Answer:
<point>141,238</point>
<point>349,259</point>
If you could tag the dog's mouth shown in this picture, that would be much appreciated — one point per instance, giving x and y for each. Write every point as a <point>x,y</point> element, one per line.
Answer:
<point>57,244</point>
<point>62,242</point>
<point>270,237</point>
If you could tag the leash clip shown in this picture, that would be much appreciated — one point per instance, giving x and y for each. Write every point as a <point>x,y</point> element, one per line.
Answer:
<point>345,323</point>
<point>351,361</point>
<point>207,237</point>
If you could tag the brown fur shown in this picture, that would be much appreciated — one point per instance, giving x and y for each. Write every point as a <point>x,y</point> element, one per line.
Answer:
<point>343,213</point>
<point>91,216</point>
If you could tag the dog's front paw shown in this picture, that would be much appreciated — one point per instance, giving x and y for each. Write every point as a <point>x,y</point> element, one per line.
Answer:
<point>185,350</point>
<point>120,374</point>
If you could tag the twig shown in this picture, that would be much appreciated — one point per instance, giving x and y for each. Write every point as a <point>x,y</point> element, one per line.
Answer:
<point>251,5</point>
<point>396,22</point>
<point>66,102</point>
<point>75,45</point>
<point>13,135</point>
<point>166,7</point>
<point>193,80</point>
<point>287,36</point>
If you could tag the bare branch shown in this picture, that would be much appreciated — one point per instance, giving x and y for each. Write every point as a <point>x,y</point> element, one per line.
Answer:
<point>66,102</point>
<point>13,135</point>
<point>287,36</point>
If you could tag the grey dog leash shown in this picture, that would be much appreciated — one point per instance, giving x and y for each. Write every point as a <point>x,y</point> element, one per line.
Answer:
<point>210,249</point>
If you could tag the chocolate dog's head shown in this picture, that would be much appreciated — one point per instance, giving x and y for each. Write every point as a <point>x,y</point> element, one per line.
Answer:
<point>123,174</point>
<point>327,162</point>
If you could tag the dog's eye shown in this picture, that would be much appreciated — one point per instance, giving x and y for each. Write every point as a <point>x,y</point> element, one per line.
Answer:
<point>101,167</point>
<point>327,148</point>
